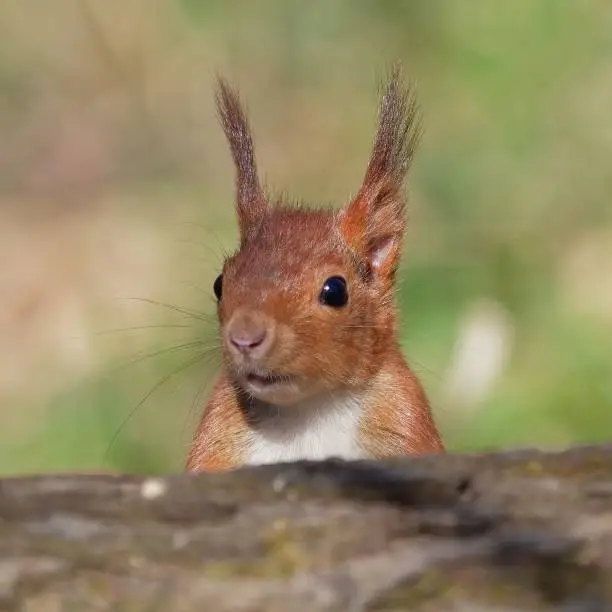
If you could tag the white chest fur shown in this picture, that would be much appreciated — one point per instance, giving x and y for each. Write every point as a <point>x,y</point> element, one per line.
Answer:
<point>314,430</point>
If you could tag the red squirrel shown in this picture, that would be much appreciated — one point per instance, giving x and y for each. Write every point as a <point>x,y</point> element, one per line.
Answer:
<point>312,366</point>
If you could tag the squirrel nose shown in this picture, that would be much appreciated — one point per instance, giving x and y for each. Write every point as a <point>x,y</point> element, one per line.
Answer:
<point>250,333</point>
<point>246,341</point>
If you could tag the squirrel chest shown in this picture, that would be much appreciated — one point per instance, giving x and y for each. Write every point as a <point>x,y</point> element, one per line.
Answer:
<point>311,430</point>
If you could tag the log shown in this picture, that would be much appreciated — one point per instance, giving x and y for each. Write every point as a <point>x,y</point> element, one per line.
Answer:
<point>502,532</point>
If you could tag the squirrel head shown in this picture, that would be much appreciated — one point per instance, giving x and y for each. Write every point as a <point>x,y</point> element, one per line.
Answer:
<point>306,304</point>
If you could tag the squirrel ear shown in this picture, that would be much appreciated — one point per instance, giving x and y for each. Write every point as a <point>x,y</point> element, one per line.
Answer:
<point>251,202</point>
<point>373,223</point>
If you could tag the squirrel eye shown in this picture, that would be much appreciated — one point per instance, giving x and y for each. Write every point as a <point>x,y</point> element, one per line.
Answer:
<point>218,286</point>
<point>334,292</point>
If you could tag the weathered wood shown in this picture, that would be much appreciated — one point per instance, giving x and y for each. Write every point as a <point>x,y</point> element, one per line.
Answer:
<point>501,532</point>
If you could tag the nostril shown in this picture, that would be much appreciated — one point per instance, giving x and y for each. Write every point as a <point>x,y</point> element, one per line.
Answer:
<point>249,332</point>
<point>247,341</point>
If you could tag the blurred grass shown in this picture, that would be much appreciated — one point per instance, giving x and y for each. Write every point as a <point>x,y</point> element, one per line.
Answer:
<point>115,183</point>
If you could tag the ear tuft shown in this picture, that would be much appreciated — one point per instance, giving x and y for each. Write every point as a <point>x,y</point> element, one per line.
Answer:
<point>374,222</point>
<point>251,203</point>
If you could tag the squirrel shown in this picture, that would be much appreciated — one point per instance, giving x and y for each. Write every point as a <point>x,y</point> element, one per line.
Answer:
<point>312,366</point>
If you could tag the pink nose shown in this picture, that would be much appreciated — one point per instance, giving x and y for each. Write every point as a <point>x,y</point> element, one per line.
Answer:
<point>250,333</point>
<point>247,340</point>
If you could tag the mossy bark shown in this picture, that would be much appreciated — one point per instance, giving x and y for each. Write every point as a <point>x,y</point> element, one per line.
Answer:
<point>510,531</point>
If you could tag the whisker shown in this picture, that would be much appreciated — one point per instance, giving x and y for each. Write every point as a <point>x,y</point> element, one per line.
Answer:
<point>141,327</point>
<point>189,313</point>
<point>194,404</point>
<point>205,292</point>
<point>163,351</point>
<point>184,366</point>
<point>424,368</point>
<point>221,254</point>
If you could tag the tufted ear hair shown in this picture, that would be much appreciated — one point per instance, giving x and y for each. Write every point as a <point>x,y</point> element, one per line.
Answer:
<point>374,222</point>
<point>251,203</point>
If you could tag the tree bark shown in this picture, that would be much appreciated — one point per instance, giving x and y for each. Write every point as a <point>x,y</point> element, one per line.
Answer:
<point>504,532</point>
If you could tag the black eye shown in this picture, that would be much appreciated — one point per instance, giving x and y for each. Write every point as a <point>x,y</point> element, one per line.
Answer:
<point>218,286</point>
<point>334,292</point>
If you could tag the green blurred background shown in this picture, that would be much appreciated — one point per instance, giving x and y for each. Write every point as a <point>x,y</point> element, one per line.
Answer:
<point>116,192</point>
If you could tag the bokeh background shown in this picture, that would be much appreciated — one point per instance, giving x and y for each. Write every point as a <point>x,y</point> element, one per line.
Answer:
<point>116,192</point>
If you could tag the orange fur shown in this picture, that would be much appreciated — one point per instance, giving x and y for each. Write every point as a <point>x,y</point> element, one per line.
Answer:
<point>282,347</point>
<point>390,428</point>
<point>221,436</point>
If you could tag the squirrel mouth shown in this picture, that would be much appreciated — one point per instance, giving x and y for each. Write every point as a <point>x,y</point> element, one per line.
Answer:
<point>267,380</point>
<point>272,387</point>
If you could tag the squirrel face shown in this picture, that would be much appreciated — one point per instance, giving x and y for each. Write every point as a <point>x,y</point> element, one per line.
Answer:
<point>306,303</point>
<point>299,312</point>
